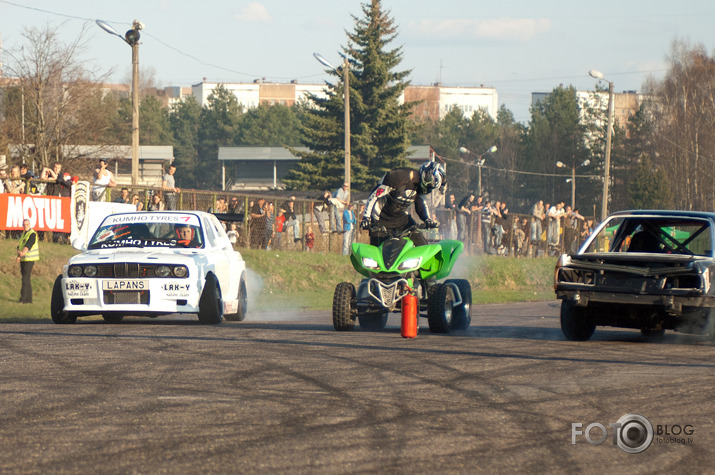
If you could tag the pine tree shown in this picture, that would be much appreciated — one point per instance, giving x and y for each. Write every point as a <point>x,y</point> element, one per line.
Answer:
<point>185,128</point>
<point>650,188</point>
<point>379,123</point>
<point>218,128</point>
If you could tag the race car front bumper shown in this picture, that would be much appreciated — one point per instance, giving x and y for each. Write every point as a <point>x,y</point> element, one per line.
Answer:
<point>143,296</point>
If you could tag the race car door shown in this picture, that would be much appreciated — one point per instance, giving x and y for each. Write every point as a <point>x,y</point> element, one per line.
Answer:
<point>222,256</point>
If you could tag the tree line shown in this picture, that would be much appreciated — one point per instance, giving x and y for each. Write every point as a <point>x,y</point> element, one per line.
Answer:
<point>663,157</point>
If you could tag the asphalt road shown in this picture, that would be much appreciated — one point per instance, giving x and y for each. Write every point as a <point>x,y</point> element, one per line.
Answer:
<point>286,393</point>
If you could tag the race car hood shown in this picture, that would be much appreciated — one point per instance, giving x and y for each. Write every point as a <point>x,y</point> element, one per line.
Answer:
<point>154,256</point>
<point>634,263</point>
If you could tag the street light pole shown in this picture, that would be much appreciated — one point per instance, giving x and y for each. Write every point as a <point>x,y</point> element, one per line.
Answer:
<point>132,39</point>
<point>607,171</point>
<point>607,164</point>
<point>480,162</point>
<point>346,98</point>
<point>346,81</point>
<point>135,113</point>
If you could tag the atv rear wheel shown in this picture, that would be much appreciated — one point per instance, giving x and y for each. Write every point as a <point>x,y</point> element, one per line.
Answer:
<point>462,317</point>
<point>344,307</point>
<point>576,325</point>
<point>440,308</point>
<point>373,320</point>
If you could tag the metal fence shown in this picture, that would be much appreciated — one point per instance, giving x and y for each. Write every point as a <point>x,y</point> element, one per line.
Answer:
<point>317,227</point>
<point>520,235</point>
<point>257,220</point>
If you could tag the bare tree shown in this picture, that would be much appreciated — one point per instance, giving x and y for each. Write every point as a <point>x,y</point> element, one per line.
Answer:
<point>53,102</point>
<point>683,114</point>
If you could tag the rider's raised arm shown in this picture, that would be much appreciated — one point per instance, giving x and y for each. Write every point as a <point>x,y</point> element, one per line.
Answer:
<point>422,208</point>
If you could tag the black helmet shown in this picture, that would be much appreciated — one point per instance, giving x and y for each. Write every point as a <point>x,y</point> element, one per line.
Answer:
<point>432,177</point>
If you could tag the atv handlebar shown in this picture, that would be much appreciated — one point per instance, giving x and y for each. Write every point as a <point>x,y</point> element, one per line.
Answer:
<point>397,232</point>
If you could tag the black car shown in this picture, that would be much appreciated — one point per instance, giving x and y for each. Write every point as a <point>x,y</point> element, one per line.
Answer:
<point>648,270</point>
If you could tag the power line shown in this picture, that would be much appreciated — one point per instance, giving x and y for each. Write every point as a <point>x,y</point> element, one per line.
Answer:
<point>520,172</point>
<point>174,48</point>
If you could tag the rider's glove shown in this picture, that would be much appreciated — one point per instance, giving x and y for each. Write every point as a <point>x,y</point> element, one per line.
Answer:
<point>429,224</point>
<point>365,223</point>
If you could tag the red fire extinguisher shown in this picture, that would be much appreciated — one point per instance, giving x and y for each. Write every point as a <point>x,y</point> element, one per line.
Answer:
<point>409,316</point>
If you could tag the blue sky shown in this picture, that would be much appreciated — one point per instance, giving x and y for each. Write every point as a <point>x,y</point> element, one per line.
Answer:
<point>516,46</point>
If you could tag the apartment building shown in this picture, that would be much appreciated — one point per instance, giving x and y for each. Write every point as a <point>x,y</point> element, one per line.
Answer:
<point>435,101</point>
<point>625,103</point>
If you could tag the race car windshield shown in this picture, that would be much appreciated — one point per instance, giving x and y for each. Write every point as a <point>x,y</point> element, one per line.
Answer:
<point>654,235</point>
<point>132,234</point>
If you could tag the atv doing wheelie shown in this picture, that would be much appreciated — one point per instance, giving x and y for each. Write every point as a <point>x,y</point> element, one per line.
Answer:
<point>395,269</point>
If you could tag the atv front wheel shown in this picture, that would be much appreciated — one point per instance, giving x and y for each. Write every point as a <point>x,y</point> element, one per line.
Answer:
<point>440,308</point>
<point>462,315</point>
<point>344,307</point>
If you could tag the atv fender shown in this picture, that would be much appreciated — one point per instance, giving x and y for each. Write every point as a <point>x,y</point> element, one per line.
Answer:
<point>451,249</point>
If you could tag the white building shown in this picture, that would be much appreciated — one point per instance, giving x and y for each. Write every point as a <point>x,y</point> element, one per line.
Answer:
<point>435,101</point>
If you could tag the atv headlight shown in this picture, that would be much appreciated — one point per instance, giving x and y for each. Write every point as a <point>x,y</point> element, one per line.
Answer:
<point>370,263</point>
<point>410,264</point>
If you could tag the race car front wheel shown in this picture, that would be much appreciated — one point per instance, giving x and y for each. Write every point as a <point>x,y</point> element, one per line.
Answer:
<point>576,325</point>
<point>57,304</point>
<point>210,303</point>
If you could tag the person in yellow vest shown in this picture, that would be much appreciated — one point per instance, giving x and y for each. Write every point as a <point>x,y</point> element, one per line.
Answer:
<point>28,252</point>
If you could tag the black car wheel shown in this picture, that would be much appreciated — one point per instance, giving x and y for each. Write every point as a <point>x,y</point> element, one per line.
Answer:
<point>57,304</point>
<point>240,315</point>
<point>210,303</point>
<point>576,325</point>
<point>344,307</point>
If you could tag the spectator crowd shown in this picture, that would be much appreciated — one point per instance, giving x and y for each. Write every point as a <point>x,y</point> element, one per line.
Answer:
<point>484,225</point>
<point>487,226</point>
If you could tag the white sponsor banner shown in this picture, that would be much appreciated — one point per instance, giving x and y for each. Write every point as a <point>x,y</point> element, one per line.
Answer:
<point>88,215</point>
<point>151,217</point>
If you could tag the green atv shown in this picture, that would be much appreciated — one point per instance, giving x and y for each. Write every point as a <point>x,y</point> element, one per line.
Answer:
<point>393,270</point>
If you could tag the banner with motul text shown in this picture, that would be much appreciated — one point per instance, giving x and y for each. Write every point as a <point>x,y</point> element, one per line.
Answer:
<point>46,213</point>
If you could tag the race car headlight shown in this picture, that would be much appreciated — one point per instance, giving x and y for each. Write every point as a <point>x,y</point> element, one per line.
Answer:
<point>163,271</point>
<point>181,271</point>
<point>90,271</point>
<point>370,263</point>
<point>75,271</point>
<point>410,264</point>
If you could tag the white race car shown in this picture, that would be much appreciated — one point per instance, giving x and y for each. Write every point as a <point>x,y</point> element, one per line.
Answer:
<point>151,264</point>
